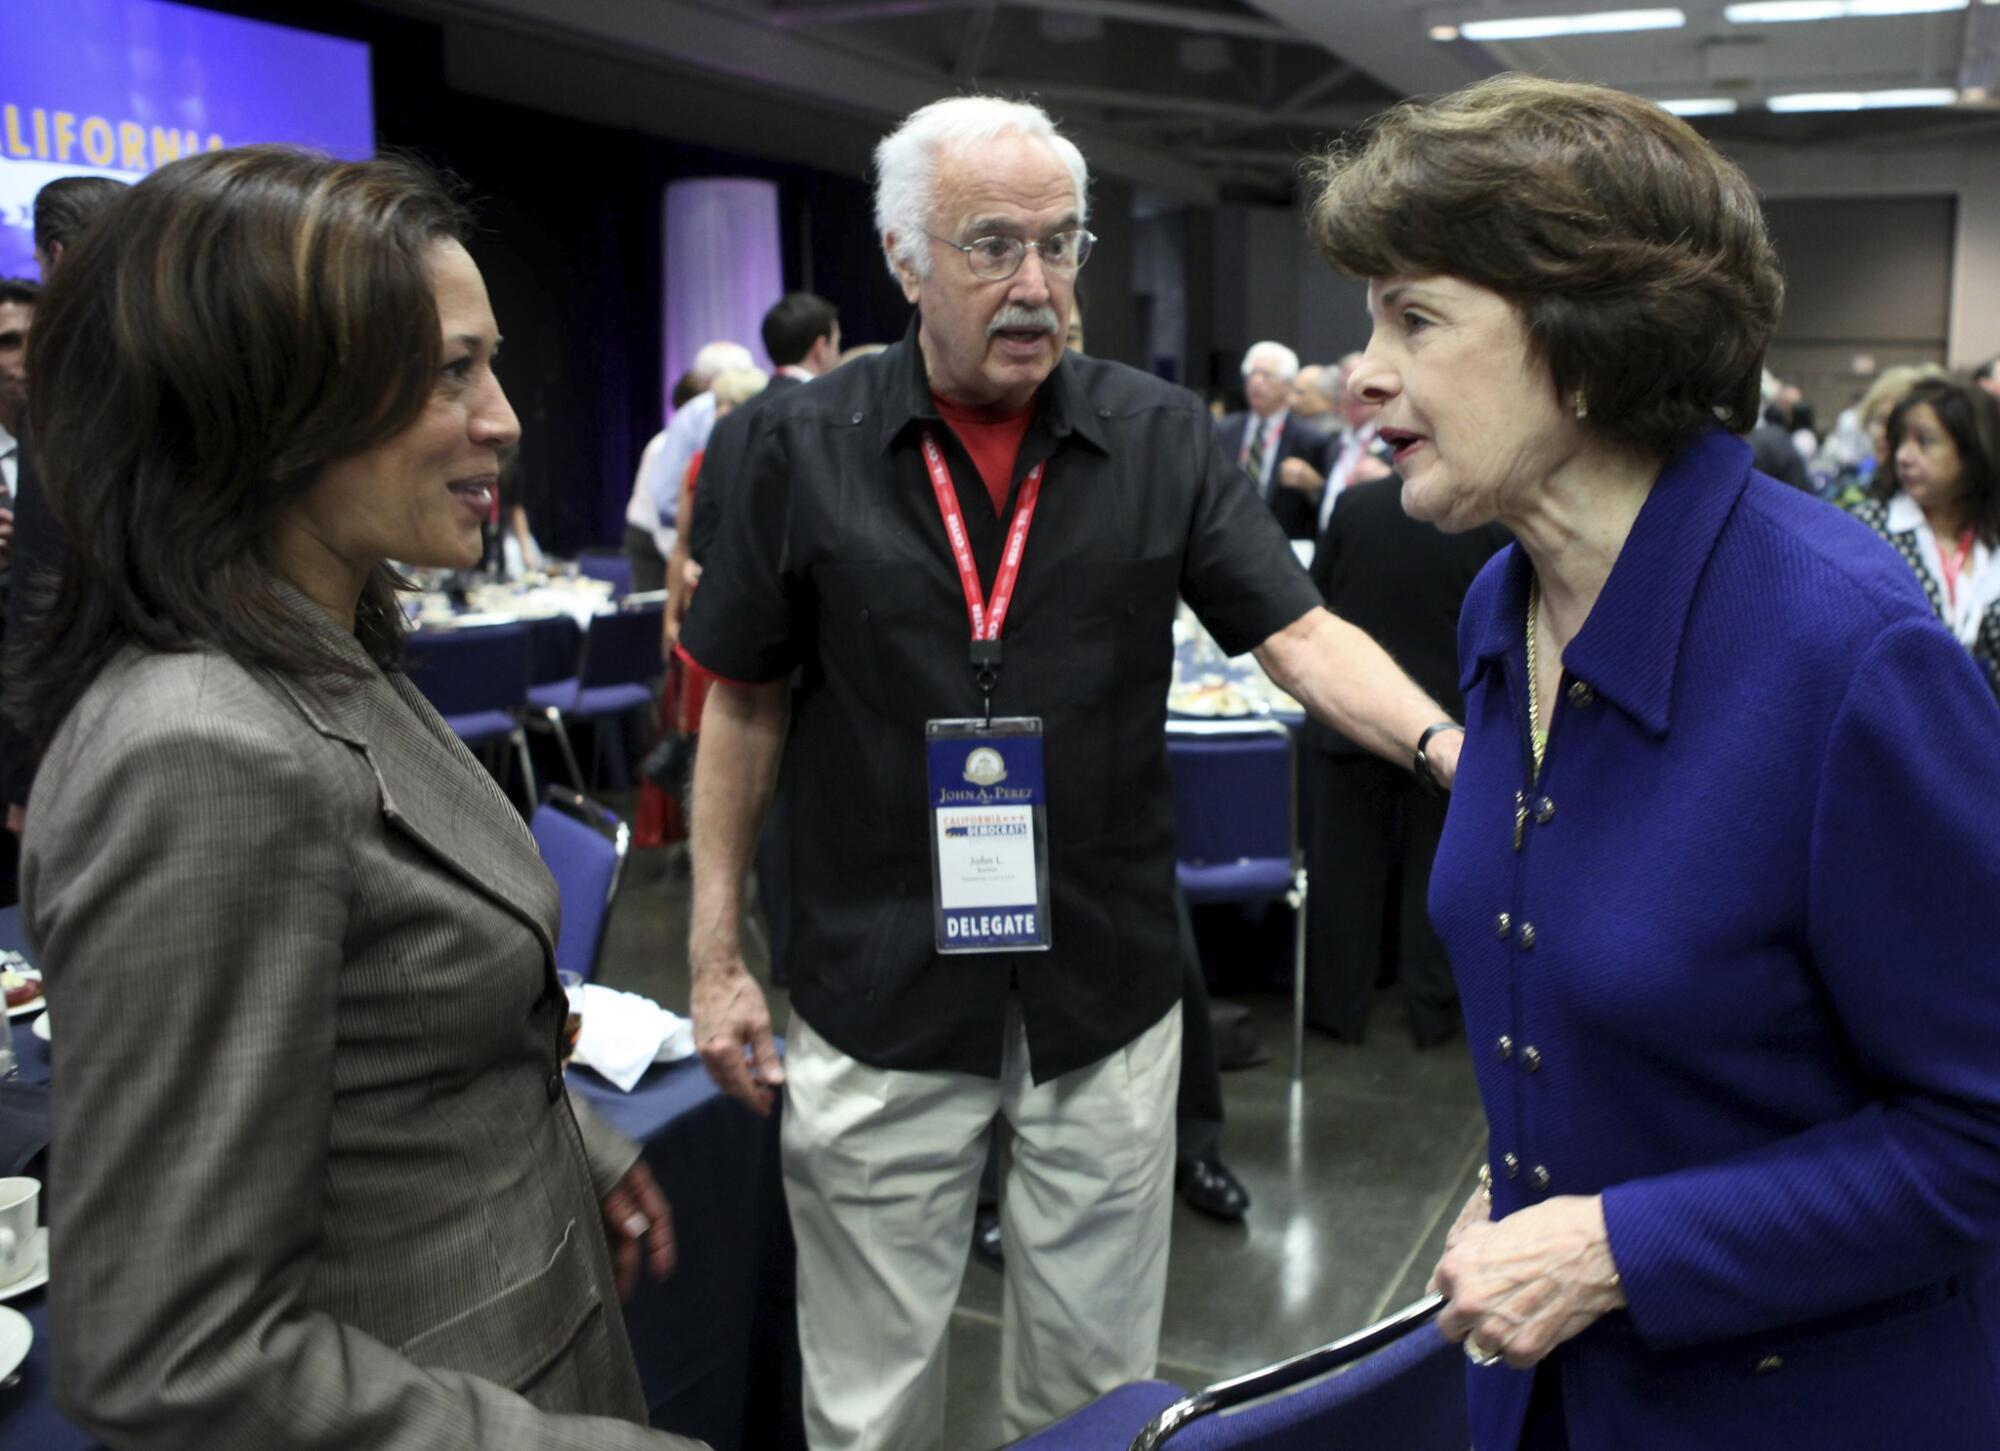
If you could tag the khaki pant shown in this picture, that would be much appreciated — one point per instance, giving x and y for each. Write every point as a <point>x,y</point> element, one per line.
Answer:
<point>881,1172</point>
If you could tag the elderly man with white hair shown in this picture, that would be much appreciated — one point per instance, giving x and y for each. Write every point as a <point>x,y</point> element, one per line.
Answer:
<point>941,601</point>
<point>652,513</point>
<point>1280,453</point>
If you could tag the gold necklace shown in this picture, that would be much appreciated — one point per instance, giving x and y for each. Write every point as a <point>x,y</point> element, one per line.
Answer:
<point>1538,739</point>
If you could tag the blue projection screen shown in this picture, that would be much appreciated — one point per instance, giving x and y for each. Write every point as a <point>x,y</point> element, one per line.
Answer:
<point>118,87</point>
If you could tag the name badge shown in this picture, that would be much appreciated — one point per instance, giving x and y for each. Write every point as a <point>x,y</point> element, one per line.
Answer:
<point>989,835</point>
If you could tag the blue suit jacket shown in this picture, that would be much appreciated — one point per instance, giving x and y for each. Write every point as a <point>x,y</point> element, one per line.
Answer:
<point>1742,977</point>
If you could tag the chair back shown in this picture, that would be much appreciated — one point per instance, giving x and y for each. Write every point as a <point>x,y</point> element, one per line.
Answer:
<point>622,647</point>
<point>1395,1383</point>
<point>1410,1396</point>
<point>584,845</point>
<point>609,565</point>
<point>1234,835</point>
<point>481,667</point>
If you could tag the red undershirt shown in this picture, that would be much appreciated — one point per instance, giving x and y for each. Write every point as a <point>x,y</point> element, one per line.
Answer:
<point>993,441</point>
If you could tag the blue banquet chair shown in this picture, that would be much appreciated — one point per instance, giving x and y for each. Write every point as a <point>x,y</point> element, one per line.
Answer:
<point>1235,828</point>
<point>477,679</point>
<point>617,673</point>
<point>1400,1384</point>
<point>584,845</point>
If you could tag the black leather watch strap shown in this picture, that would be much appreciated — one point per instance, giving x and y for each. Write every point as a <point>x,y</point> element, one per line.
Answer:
<point>1424,771</point>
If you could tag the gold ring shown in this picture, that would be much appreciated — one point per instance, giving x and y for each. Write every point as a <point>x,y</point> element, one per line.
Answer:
<point>1478,1354</point>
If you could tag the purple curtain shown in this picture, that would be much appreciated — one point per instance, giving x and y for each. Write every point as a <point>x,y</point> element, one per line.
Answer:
<point>723,269</point>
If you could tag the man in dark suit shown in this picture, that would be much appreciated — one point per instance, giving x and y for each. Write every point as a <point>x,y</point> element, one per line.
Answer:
<point>1282,455</point>
<point>1372,828</point>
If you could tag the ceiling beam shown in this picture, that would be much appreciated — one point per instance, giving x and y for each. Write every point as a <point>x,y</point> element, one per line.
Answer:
<point>1138,12</point>
<point>723,41</point>
<point>1164,103</point>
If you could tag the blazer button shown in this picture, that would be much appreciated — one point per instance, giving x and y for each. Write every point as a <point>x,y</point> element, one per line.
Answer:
<point>1531,1058</point>
<point>1505,1047</point>
<point>1769,1364</point>
<point>1527,935</point>
<point>855,417</point>
<point>555,1085</point>
<point>1545,811</point>
<point>1540,1175</point>
<point>1513,1166</point>
<point>1503,924</point>
<point>1581,695</point>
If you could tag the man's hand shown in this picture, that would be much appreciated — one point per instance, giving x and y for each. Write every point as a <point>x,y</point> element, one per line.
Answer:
<point>678,593</point>
<point>637,1217</point>
<point>17,819</point>
<point>1368,468</point>
<point>1523,1285</point>
<point>1296,473</point>
<point>732,1030</point>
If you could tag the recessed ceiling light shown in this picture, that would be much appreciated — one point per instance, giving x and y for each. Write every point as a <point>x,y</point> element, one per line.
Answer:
<point>1601,22</point>
<point>1700,106</point>
<point>1865,100</point>
<point>1776,12</point>
<point>1444,32</point>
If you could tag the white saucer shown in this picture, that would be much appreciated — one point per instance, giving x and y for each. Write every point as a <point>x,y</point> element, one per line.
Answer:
<point>40,1027</point>
<point>33,1280</point>
<point>16,1335</point>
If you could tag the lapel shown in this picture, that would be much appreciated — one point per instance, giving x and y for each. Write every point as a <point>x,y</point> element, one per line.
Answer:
<point>433,791</point>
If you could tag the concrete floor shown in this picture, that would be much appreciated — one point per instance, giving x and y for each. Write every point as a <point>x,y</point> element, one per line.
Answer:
<point>1354,1180</point>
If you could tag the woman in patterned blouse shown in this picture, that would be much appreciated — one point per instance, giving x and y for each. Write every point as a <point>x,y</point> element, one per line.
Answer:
<point>1939,504</point>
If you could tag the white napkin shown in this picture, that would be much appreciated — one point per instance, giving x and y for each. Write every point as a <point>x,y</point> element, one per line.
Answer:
<point>624,1034</point>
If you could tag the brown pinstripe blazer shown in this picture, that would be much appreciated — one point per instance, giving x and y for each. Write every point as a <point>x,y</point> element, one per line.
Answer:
<point>315,1181</point>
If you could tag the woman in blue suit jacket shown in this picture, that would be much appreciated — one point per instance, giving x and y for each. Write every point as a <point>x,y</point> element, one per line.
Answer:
<point>1721,876</point>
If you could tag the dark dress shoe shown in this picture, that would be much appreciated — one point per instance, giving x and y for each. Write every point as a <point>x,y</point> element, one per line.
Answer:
<point>1206,1184</point>
<point>986,1238</point>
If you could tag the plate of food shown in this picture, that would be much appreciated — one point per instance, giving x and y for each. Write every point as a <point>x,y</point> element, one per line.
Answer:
<point>23,985</point>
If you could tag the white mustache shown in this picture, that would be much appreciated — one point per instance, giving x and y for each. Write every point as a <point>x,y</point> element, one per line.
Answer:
<point>1022,319</point>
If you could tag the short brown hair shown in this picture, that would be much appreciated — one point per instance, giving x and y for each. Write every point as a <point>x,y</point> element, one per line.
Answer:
<point>1636,255</point>
<point>243,319</point>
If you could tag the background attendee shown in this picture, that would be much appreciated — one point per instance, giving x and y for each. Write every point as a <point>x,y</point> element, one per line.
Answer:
<point>1741,1073</point>
<point>1355,455</point>
<point>63,210</point>
<point>899,1060</point>
<point>362,1003</point>
<point>1372,828</point>
<point>1266,439</point>
<point>1772,449</point>
<point>17,318</point>
<point>652,513</point>
<point>801,333</point>
<point>1314,395</point>
<point>1939,505</point>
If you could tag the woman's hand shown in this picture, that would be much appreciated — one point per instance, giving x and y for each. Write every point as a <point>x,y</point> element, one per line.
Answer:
<point>1478,1210</point>
<point>1523,1285</point>
<point>637,1216</point>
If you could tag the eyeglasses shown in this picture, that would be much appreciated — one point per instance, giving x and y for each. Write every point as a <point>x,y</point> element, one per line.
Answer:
<point>997,258</point>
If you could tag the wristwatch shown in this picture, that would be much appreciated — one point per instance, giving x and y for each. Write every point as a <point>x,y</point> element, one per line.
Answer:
<point>1424,771</point>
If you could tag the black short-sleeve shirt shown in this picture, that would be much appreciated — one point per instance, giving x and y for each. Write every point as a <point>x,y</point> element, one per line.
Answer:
<point>832,562</point>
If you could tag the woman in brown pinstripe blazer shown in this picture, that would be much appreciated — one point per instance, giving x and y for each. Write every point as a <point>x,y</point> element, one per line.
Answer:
<point>317,1180</point>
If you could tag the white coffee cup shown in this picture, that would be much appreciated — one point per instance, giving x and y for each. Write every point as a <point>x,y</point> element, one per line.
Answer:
<point>18,1200</point>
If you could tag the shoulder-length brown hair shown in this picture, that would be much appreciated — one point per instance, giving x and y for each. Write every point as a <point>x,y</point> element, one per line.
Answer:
<point>237,321</point>
<point>1968,413</point>
<point>1636,255</point>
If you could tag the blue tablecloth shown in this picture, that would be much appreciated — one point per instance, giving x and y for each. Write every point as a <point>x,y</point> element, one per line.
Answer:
<point>717,1342</point>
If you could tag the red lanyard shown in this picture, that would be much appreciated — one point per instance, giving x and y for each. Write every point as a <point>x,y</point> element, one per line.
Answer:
<point>1953,567</point>
<point>987,620</point>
